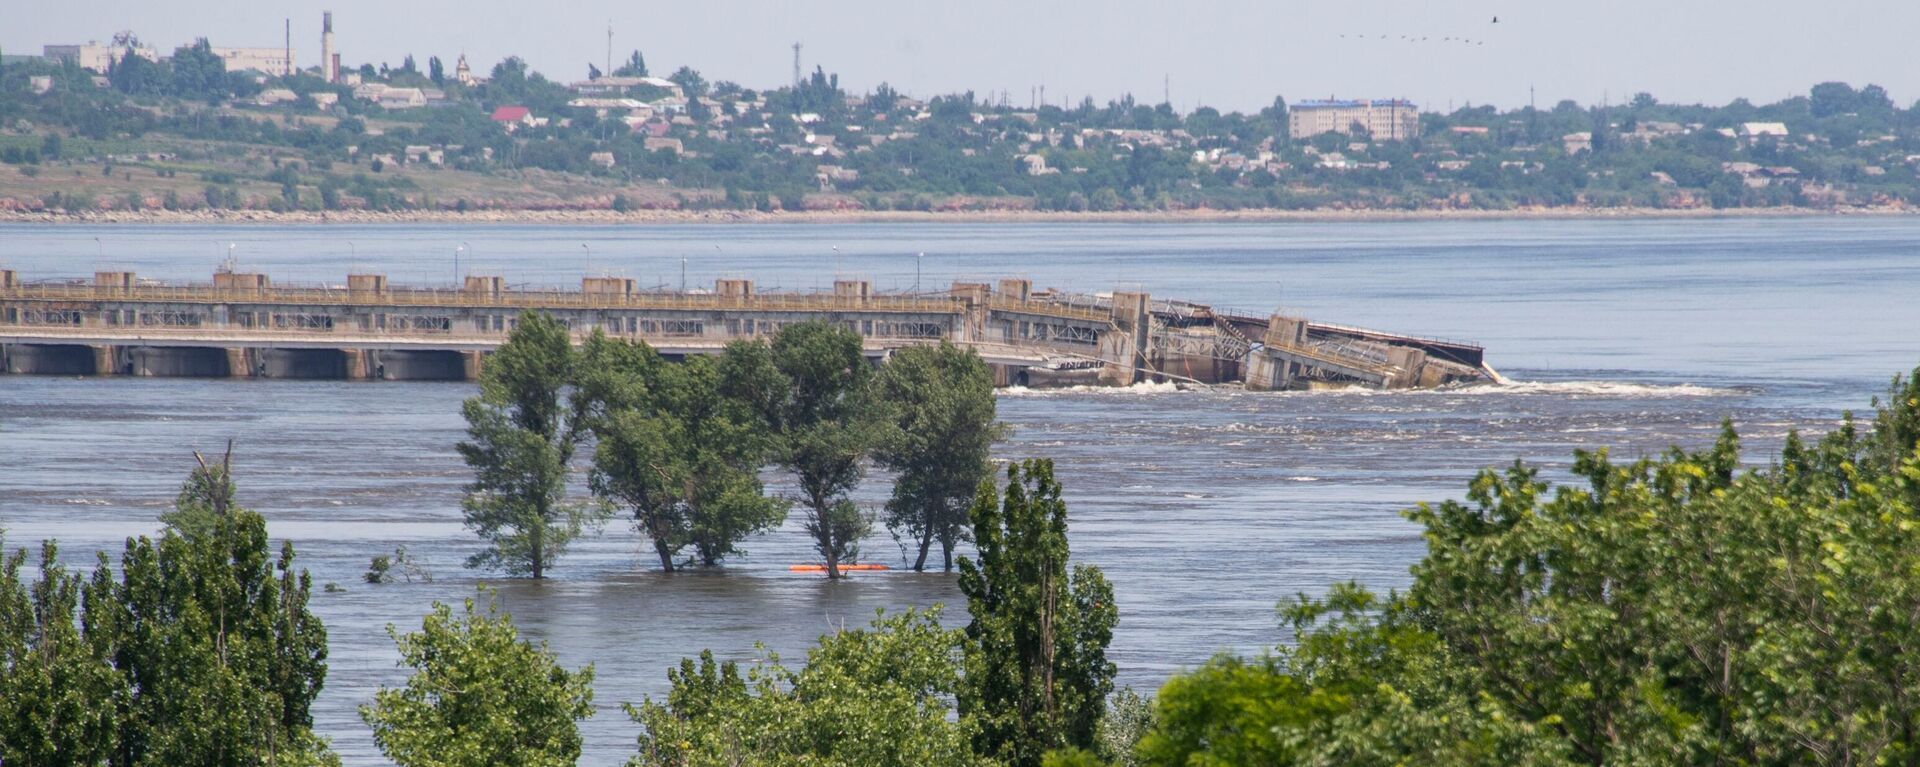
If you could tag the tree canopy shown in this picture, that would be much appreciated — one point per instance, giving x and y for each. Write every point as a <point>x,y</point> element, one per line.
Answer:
<point>479,696</point>
<point>521,434</point>
<point>1675,609</point>
<point>1037,675</point>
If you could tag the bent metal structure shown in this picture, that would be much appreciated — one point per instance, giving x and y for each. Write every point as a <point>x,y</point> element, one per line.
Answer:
<point>242,325</point>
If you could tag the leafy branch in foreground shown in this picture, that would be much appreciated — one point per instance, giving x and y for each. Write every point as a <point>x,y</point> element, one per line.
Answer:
<point>1673,610</point>
<point>479,696</point>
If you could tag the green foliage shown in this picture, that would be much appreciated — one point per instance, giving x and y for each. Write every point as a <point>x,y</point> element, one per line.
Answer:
<point>521,438</point>
<point>1128,718</point>
<point>202,652</point>
<point>198,73</point>
<point>57,682</point>
<point>1671,610</point>
<point>811,386</point>
<point>874,697</point>
<point>635,66</point>
<point>675,450</point>
<point>939,400</point>
<point>479,696</point>
<point>1037,674</point>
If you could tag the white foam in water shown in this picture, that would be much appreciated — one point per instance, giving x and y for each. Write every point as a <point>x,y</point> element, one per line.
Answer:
<point>1167,387</point>
<point>1553,388</point>
<point>1597,389</point>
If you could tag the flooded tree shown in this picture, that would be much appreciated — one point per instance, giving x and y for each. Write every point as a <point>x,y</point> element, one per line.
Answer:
<point>521,434</point>
<point>812,388</point>
<point>675,450</point>
<point>940,406</point>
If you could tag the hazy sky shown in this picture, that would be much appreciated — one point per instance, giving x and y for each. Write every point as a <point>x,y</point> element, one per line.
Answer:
<point>1223,53</point>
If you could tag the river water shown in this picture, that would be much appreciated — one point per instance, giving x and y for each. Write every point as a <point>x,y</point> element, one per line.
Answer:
<point>1205,507</point>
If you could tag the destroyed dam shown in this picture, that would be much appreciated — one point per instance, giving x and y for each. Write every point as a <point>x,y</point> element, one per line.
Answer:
<point>244,325</point>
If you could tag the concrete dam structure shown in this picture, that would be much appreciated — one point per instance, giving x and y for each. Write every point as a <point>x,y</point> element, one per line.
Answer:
<point>243,325</point>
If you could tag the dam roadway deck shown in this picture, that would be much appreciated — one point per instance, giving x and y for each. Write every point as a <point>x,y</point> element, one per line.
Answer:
<point>242,325</point>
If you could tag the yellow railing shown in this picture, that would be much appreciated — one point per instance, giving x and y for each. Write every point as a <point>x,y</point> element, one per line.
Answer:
<point>517,299</point>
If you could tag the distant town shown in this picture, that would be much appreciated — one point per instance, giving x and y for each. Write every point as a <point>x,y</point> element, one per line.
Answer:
<point>123,125</point>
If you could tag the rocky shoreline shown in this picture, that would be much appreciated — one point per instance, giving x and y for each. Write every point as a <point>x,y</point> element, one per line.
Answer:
<point>609,217</point>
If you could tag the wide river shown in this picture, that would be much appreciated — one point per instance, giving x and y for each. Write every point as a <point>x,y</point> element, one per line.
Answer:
<point>1205,507</point>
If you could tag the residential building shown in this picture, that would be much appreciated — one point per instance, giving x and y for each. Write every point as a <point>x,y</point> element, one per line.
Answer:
<point>1383,119</point>
<point>1575,143</point>
<point>401,98</point>
<point>512,117</point>
<point>273,61</point>
<point>272,96</point>
<point>40,84</point>
<point>97,57</point>
<point>622,86</point>
<point>1753,132</point>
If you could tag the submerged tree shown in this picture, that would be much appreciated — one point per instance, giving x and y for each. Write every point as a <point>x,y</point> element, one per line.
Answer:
<point>521,437</point>
<point>675,450</point>
<point>811,387</point>
<point>941,405</point>
<point>1037,674</point>
<point>479,696</point>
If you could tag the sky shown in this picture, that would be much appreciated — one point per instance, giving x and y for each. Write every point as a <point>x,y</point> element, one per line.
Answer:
<point>1227,54</point>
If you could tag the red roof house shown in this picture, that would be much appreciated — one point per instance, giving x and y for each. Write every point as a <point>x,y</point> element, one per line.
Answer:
<point>512,116</point>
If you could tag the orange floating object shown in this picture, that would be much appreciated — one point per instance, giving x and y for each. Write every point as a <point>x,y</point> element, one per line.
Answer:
<point>843,568</point>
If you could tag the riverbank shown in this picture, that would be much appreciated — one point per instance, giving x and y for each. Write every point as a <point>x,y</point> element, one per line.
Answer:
<point>609,217</point>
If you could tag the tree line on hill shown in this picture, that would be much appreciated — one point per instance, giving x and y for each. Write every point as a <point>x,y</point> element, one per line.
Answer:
<point>817,144</point>
<point>1680,608</point>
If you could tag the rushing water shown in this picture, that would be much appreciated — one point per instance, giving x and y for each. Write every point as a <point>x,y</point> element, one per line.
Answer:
<point>1205,507</point>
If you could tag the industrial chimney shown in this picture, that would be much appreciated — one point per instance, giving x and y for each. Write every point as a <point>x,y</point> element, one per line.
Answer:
<point>329,62</point>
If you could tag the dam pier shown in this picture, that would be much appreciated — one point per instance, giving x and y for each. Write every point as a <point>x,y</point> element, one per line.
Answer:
<point>242,325</point>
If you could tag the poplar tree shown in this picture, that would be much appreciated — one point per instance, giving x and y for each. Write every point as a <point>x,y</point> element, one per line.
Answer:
<point>940,404</point>
<point>1037,674</point>
<point>203,650</point>
<point>58,686</point>
<point>522,431</point>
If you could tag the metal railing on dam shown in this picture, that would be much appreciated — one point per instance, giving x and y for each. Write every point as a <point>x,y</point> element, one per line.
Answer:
<point>244,325</point>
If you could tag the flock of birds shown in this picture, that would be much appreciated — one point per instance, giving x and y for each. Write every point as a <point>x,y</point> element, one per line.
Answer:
<point>1422,39</point>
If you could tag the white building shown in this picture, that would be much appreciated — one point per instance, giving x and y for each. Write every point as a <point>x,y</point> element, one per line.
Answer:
<point>98,57</point>
<point>1383,119</point>
<point>273,61</point>
<point>401,98</point>
<point>1755,131</point>
<point>621,86</point>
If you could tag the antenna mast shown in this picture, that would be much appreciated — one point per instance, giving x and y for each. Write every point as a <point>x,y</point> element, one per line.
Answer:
<point>609,70</point>
<point>796,66</point>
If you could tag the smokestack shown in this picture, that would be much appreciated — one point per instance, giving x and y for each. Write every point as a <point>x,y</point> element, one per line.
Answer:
<point>329,61</point>
<point>287,52</point>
